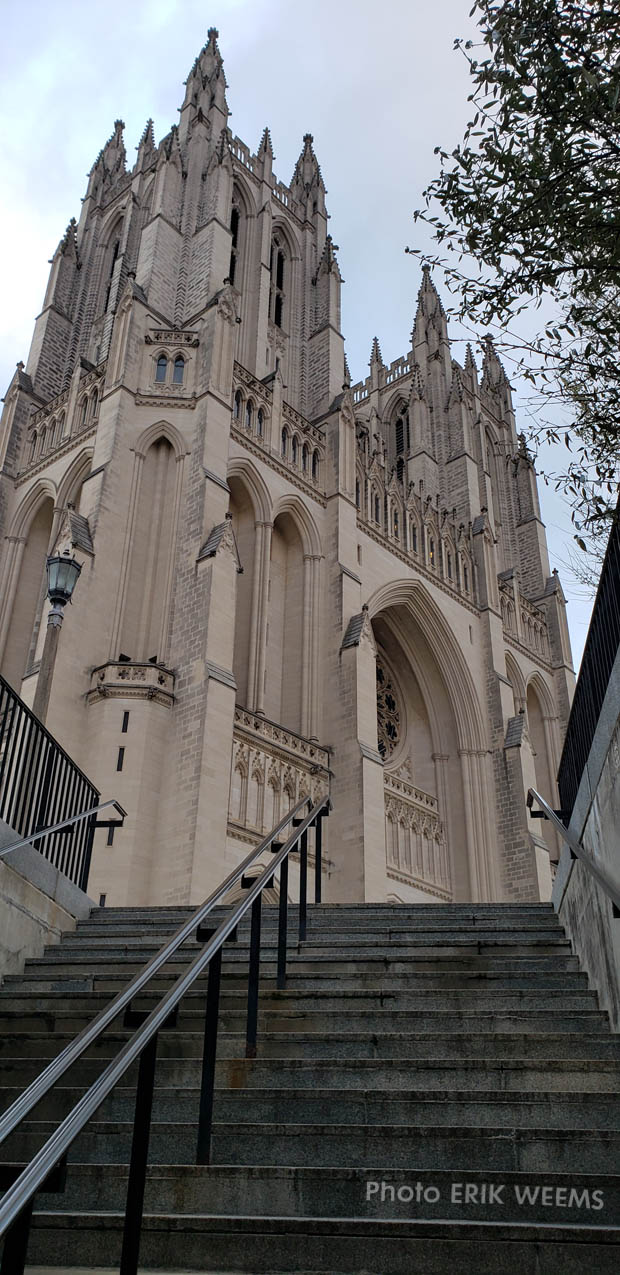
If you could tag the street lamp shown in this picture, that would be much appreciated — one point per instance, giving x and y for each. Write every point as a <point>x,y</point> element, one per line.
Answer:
<point>62,574</point>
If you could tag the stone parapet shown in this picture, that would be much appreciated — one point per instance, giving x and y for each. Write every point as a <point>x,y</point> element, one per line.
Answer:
<point>120,679</point>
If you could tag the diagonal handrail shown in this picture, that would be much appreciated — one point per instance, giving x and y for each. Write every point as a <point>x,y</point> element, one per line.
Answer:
<point>610,887</point>
<point>29,1181</point>
<point>41,833</point>
<point>52,1073</point>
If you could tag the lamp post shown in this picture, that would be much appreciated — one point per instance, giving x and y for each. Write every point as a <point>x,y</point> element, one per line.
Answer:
<point>62,574</point>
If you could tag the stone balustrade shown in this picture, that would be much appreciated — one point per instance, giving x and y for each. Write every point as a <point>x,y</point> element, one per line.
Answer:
<point>273,768</point>
<point>416,848</point>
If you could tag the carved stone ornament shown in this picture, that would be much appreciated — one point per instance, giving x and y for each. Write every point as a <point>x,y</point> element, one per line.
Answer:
<point>226,305</point>
<point>389,718</point>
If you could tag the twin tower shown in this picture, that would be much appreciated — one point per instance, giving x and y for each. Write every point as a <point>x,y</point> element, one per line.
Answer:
<point>289,582</point>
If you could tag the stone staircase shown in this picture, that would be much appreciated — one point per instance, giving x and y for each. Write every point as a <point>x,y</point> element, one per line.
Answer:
<point>436,1087</point>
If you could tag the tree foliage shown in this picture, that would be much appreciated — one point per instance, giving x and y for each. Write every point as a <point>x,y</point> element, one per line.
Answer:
<point>529,212</point>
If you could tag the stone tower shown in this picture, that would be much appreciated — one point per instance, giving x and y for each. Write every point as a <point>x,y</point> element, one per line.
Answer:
<point>288,581</point>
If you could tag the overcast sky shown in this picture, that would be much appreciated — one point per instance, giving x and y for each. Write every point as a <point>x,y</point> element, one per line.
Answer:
<point>378,85</point>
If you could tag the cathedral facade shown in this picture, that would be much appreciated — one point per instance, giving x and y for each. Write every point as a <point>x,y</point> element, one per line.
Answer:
<point>289,582</point>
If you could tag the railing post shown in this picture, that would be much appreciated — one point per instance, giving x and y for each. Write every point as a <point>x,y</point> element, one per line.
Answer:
<point>303,885</point>
<point>282,925</point>
<point>16,1243</point>
<point>207,1084</point>
<point>132,1231</point>
<point>318,846</point>
<point>88,853</point>
<point>252,1023</point>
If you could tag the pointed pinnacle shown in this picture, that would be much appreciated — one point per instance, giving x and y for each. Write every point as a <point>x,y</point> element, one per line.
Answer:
<point>266,147</point>
<point>470,362</point>
<point>148,136</point>
<point>375,352</point>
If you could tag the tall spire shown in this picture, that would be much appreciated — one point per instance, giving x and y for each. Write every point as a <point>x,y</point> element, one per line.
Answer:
<point>205,86</point>
<point>430,328</point>
<point>112,156</point>
<point>493,374</point>
<point>307,183</point>
<point>429,301</point>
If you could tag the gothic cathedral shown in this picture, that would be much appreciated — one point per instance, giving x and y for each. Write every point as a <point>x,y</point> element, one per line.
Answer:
<point>289,582</point>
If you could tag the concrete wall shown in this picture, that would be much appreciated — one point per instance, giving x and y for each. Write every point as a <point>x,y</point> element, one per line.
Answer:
<point>37,905</point>
<point>583,907</point>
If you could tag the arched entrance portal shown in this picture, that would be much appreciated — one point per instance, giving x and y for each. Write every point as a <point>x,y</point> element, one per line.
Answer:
<point>437,784</point>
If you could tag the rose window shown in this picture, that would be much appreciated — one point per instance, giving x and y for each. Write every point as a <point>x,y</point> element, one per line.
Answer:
<point>388,713</point>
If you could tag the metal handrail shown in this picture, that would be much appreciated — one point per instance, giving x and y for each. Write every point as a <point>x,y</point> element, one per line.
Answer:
<point>19,1196</point>
<point>610,887</point>
<point>39,1087</point>
<point>26,1185</point>
<point>57,827</point>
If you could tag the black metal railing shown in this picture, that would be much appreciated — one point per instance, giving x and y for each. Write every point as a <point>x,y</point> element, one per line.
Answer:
<point>602,645</point>
<point>17,1203</point>
<point>41,786</point>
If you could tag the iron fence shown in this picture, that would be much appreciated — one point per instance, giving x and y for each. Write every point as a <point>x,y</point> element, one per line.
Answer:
<point>602,645</point>
<point>40,785</point>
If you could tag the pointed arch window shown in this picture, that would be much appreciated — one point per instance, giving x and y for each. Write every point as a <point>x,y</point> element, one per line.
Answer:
<point>248,414</point>
<point>315,467</point>
<point>396,525</point>
<point>33,447</point>
<point>179,370</point>
<point>284,444</point>
<point>414,537</point>
<point>466,579</point>
<point>115,251</point>
<point>234,242</point>
<point>277,270</point>
<point>94,404</point>
<point>357,493</point>
<point>304,459</point>
<point>400,469</point>
<point>83,412</point>
<point>431,552</point>
<point>161,369</point>
<point>449,565</point>
<point>400,436</point>
<point>237,406</point>
<point>377,509</point>
<point>294,449</point>
<point>260,423</point>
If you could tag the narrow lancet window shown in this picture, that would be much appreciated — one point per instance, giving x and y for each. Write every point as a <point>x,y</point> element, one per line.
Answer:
<point>278,274</point>
<point>162,369</point>
<point>179,370</point>
<point>234,244</point>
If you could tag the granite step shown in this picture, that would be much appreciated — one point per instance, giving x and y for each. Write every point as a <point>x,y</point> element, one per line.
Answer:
<point>257,1246</point>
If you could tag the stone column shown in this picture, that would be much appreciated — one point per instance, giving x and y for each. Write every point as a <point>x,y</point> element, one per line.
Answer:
<point>260,585</point>
<point>262,617</point>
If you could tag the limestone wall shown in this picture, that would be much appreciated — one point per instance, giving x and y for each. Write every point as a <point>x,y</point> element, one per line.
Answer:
<point>583,907</point>
<point>37,905</point>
